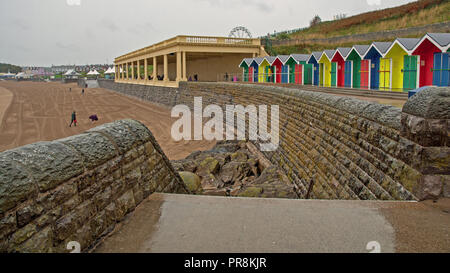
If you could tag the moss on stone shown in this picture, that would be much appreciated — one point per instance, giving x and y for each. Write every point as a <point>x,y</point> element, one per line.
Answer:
<point>192,182</point>
<point>251,192</point>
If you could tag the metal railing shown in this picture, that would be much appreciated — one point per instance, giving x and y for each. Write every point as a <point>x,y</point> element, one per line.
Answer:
<point>259,77</point>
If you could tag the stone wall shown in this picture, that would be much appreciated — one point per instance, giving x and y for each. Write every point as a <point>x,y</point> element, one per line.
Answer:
<point>349,149</point>
<point>78,188</point>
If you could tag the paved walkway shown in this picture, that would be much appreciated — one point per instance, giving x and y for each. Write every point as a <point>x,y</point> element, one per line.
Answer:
<point>187,223</point>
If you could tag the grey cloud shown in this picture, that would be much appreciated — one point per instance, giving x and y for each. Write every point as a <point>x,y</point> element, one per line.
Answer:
<point>66,46</point>
<point>110,25</point>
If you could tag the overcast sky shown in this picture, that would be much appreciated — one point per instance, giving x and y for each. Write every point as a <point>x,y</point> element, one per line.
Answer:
<point>46,32</point>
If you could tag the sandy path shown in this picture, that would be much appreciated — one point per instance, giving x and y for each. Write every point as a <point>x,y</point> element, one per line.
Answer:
<point>5,100</point>
<point>41,112</point>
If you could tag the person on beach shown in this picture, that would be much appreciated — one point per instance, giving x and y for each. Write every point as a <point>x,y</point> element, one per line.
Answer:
<point>93,117</point>
<point>82,91</point>
<point>70,89</point>
<point>73,119</point>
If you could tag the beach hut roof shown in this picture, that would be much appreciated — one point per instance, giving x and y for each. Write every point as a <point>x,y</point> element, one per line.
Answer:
<point>316,55</point>
<point>270,59</point>
<point>361,49</point>
<point>329,53</point>
<point>257,60</point>
<point>344,51</point>
<point>440,40</point>
<point>283,58</point>
<point>408,43</point>
<point>381,47</point>
<point>300,57</point>
<point>247,61</point>
<point>443,39</point>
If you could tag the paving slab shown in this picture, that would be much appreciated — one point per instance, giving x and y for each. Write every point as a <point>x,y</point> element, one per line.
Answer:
<point>168,223</point>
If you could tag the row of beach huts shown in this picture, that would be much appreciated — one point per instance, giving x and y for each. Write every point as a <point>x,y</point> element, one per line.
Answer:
<point>405,64</point>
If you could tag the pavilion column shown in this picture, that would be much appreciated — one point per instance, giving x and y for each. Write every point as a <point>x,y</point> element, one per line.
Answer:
<point>132,70</point>
<point>178,66</point>
<point>116,68</point>
<point>155,69</point>
<point>184,66</point>
<point>123,72</point>
<point>145,70</point>
<point>126,72</point>
<point>138,70</point>
<point>166,68</point>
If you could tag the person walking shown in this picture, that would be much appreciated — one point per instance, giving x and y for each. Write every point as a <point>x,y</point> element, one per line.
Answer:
<point>73,119</point>
<point>82,91</point>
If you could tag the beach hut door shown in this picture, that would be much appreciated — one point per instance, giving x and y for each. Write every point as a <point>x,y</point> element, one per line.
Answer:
<point>334,74</point>
<point>365,74</point>
<point>385,74</point>
<point>441,69</point>
<point>348,73</point>
<point>410,72</point>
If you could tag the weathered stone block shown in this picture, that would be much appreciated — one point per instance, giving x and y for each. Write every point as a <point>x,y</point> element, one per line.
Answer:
<point>41,242</point>
<point>15,184</point>
<point>48,163</point>
<point>125,204</point>
<point>430,187</point>
<point>28,213</point>
<point>8,224</point>
<point>95,148</point>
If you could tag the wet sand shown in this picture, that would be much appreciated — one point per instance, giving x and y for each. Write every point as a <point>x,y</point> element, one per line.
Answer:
<point>41,111</point>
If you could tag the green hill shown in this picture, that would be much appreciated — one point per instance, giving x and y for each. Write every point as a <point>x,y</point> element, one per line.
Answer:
<point>419,13</point>
<point>4,68</point>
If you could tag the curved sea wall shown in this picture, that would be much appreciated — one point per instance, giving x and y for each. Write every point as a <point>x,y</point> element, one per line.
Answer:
<point>78,188</point>
<point>338,147</point>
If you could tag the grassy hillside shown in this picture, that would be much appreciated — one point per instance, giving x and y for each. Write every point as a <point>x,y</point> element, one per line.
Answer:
<point>418,13</point>
<point>4,68</point>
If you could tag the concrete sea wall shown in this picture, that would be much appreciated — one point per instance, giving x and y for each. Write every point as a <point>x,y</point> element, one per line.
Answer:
<point>348,148</point>
<point>80,187</point>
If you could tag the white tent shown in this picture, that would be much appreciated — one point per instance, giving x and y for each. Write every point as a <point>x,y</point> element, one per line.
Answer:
<point>110,70</point>
<point>23,75</point>
<point>71,72</point>
<point>93,73</point>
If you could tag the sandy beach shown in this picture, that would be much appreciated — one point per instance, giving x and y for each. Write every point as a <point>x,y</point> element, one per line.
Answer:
<point>41,111</point>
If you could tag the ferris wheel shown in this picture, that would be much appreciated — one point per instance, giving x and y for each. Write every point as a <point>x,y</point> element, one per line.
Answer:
<point>240,32</point>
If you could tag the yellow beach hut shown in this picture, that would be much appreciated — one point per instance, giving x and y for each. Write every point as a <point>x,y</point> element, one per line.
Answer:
<point>392,63</point>
<point>325,69</point>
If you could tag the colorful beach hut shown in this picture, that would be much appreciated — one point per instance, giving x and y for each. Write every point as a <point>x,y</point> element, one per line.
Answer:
<point>314,60</point>
<point>432,50</point>
<point>272,70</point>
<point>277,66</point>
<point>245,64</point>
<point>394,75</point>
<point>327,69</point>
<point>359,67</point>
<point>375,52</point>
<point>285,68</point>
<point>303,70</point>
<point>264,71</point>
<point>254,69</point>
<point>339,58</point>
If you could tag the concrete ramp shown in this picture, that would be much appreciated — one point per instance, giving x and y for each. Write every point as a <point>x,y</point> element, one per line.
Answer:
<point>187,223</point>
<point>92,83</point>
